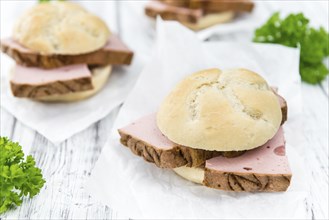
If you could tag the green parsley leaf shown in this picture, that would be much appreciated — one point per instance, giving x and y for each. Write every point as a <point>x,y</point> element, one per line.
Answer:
<point>313,73</point>
<point>294,31</point>
<point>18,177</point>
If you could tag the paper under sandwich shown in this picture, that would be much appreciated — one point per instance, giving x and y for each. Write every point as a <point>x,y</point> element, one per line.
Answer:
<point>198,14</point>
<point>218,128</point>
<point>62,53</point>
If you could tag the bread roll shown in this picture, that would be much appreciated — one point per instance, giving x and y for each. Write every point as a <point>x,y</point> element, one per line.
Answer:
<point>210,20</point>
<point>230,110</point>
<point>60,27</point>
<point>193,174</point>
<point>99,79</point>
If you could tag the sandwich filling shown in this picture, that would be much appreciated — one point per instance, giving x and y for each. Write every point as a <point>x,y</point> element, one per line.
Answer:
<point>144,139</point>
<point>34,82</point>
<point>213,5</point>
<point>69,83</point>
<point>262,169</point>
<point>197,14</point>
<point>114,52</point>
<point>43,77</point>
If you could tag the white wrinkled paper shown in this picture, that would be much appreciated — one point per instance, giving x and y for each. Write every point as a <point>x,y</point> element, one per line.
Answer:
<point>137,189</point>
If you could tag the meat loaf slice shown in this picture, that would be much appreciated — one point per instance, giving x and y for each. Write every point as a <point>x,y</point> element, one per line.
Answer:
<point>115,52</point>
<point>211,6</point>
<point>262,169</point>
<point>33,82</point>
<point>283,104</point>
<point>180,3</point>
<point>172,12</point>
<point>145,139</point>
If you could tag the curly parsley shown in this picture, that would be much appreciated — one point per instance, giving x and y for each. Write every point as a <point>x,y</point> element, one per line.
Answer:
<point>294,31</point>
<point>18,177</point>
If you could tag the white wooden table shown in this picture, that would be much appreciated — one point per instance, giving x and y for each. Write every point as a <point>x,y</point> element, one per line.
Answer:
<point>66,166</point>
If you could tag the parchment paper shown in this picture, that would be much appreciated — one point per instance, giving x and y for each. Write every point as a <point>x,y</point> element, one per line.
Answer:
<point>139,189</point>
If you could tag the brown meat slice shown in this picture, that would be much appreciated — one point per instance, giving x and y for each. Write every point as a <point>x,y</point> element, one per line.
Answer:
<point>262,169</point>
<point>171,12</point>
<point>284,106</point>
<point>32,82</point>
<point>145,139</point>
<point>211,6</point>
<point>115,52</point>
<point>180,3</point>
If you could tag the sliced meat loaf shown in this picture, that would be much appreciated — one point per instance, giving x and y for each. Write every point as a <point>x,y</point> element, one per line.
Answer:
<point>211,6</point>
<point>172,12</point>
<point>115,52</point>
<point>264,169</point>
<point>34,82</point>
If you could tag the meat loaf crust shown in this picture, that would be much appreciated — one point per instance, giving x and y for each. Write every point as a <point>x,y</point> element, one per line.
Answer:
<point>213,5</point>
<point>171,12</point>
<point>176,157</point>
<point>239,182</point>
<point>284,109</point>
<point>53,88</point>
<point>99,57</point>
<point>283,105</point>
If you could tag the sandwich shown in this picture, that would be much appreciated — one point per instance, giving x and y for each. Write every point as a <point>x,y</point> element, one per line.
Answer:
<point>218,128</point>
<point>62,53</point>
<point>198,14</point>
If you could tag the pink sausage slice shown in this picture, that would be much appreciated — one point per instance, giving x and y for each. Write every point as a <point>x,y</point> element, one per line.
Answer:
<point>262,169</point>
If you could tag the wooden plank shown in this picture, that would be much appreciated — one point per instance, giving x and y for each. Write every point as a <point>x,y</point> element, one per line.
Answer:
<point>315,109</point>
<point>8,123</point>
<point>65,168</point>
<point>16,131</point>
<point>325,85</point>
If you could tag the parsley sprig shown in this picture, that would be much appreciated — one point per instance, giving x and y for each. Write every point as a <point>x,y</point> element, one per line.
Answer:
<point>18,177</point>
<point>294,31</point>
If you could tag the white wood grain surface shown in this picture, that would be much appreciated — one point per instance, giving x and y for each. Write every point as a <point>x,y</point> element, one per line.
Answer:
<point>67,165</point>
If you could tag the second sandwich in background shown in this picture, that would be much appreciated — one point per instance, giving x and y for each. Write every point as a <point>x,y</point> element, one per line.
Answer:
<point>198,14</point>
<point>62,53</point>
<point>218,128</point>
